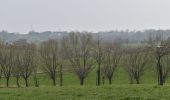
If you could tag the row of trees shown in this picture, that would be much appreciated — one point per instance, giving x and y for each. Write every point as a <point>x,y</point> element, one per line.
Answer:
<point>83,53</point>
<point>18,61</point>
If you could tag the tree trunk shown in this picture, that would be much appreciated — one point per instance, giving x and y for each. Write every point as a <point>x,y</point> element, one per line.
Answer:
<point>110,81</point>
<point>160,76</point>
<point>137,81</point>
<point>98,77</point>
<point>54,82</point>
<point>103,80</point>
<point>36,81</point>
<point>82,81</point>
<point>35,77</point>
<point>61,75</point>
<point>160,73</point>
<point>26,82</point>
<point>7,82</point>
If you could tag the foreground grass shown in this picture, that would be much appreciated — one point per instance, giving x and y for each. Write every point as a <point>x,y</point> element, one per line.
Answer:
<point>113,92</point>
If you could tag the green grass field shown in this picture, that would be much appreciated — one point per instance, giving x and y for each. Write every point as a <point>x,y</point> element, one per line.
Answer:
<point>113,92</point>
<point>70,79</point>
<point>71,90</point>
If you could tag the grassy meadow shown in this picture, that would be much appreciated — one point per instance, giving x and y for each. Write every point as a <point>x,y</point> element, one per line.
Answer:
<point>114,92</point>
<point>71,90</point>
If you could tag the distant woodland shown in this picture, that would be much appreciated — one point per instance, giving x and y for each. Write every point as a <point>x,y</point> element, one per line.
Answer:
<point>130,36</point>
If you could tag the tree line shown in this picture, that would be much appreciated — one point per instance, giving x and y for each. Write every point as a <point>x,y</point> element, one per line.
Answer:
<point>84,53</point>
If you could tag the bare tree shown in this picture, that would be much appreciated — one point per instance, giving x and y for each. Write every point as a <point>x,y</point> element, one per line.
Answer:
<point>160,49</point>
<point>50,55</point>
<point>6,62</point>
<point>17,63</point>
<point>61,75</point>
<point>166,69</point>
<point>35,64</point>
<point>136,60</point>
<point>27,54</point>
<point>112,55</point>
<point>78,50</point>
<point>160,53</point>
<point>98,55</point>
<point>1,48</point>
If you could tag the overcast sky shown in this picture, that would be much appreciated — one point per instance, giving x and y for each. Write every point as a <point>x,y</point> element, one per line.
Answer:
<point>90,15</point>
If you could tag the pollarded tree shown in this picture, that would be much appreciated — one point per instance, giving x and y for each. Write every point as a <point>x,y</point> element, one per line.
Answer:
<point>136,60</point>
<point>78,50</point>
<point>112,55</point>
<point>50,57</point>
